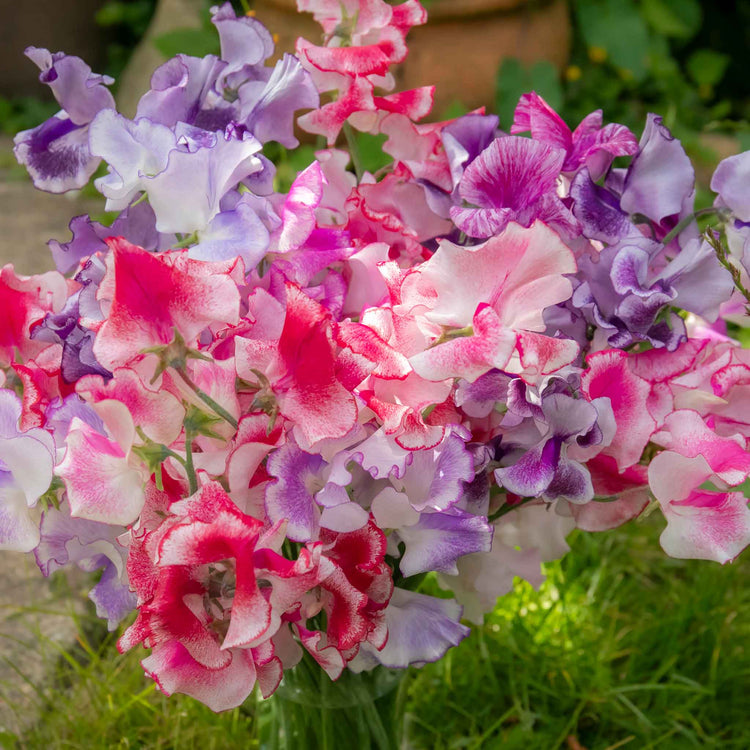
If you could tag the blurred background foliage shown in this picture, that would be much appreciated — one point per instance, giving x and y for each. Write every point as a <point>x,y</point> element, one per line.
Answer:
<point>685,59</point>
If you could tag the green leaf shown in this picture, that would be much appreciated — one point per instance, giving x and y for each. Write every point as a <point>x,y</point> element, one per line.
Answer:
<point>617,27</point>
<point>198,42</point>
<point>513,80</point>
<point>511,83</point>
<point>371,151</point>
<point>545,80</point>
<point>707,67</point>
<point>674,18</point>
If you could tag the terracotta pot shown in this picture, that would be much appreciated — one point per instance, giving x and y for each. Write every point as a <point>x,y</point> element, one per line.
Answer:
<point>461,46</point>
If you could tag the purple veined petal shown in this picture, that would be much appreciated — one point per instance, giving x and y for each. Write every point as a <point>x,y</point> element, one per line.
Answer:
<point>420,629</point>
<point>597,149</point>
<point>598,210</point>
<point>551,211</point>
<point>534,115</point>
<point>507,181</point>
<point>531,475</point>
<point>133,150</point>
<point>269,115</point>
<point>79,92</point>
<point>465,138</point>
<point>730,181</point>
<point>512,172</point>
<point>290,497</point>
<point>660,177</point>
<point>481,222</point>
<point>438,540</point>
<point>231,234</point>
<point>572,481</point>
<point>56,154</point>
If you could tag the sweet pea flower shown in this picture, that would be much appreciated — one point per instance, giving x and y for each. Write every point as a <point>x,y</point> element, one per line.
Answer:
<point>56,153</point>
<point>26,462</point>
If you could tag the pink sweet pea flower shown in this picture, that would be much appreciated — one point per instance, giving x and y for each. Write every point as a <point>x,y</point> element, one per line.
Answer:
<point>487,301</point>
<point>701,524</point>
<point>150,295</point>
<point>24,302</point>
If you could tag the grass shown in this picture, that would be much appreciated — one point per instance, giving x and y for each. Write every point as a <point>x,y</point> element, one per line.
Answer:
<point>620,648</point>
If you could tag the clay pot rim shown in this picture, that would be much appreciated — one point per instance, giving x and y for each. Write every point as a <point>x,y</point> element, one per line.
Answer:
<point>442,10</point>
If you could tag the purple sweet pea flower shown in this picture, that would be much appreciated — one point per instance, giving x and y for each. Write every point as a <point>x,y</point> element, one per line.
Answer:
<point>513,179</point>
<point>591,144</point>
<point>232,233</point>
<point>658,189</point>
<point>435,478</point>
<point>26,463</point>
<point>438,540</point>
<point>660,181</point>
<point>65,326</point>
<point>598,210</point>
<point>544,468</point>
<point>184,89</point>
<point>308,492</point>
<point>421,629</point>
<point>245,41</point>
<point>134,151</point>
<point>625,295</point>
<point>91,546</point>
<point>731,181</point>
<point>212,93</point>
<point>136,224</point>
<point>267,110</point>
<point>463,140</point>
<point>186,195</point>
<point>56,153</point>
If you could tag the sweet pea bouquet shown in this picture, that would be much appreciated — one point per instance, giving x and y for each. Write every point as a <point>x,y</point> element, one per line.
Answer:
<point>266,417</point>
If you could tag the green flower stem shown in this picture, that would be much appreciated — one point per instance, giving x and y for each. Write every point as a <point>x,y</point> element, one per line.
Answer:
<point>721,254</point>
<point>351,141</point>
<point>189,467</point>
<point>687,221</point>
<point>207,400</point>
<point>506,508</point>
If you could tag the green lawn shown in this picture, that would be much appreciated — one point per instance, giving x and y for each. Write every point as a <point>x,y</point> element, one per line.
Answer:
<point>621,647</point>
